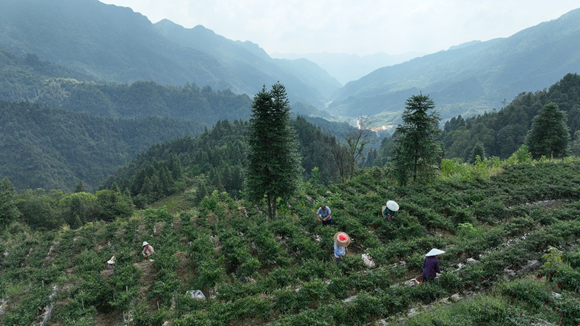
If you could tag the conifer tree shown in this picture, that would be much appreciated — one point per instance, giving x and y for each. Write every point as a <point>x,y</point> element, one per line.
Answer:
<point>80,187</point>
<point>478,150</point>
<point>549,135</point>
<point>8,209</point>
<point>273,162</point>
<point>416,151</point>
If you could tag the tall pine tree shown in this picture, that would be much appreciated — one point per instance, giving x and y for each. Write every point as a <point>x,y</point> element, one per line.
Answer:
<point>416,152</point>
<point>273,162</point>
<point>549,135</point>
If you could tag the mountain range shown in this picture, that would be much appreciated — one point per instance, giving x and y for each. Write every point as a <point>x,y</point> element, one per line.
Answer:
<point>115,44</point>
<point>472,78</point>
<point>349,67</point>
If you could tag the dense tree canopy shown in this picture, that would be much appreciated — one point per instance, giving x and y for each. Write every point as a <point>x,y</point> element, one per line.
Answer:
<point>502,132</point>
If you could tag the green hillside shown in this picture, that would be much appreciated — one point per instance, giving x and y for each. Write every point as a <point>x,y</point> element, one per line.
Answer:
<point>43,147</point>
<point>470,79</point>
<point>115,44</point>
<point>503,132</point>
<point>255,271</point>
<point>216,160</point>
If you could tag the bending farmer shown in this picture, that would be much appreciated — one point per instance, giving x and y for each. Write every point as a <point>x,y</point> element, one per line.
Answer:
<point>431,265</point>
<point>341,241</point>
<point>324,214</point>
<point>147,249</point>
<point>390,209</point>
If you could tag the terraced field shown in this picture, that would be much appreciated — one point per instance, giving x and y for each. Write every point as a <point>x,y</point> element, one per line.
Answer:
<point>511,241</point>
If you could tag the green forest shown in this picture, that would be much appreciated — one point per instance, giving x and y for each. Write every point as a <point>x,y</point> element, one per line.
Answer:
<point>44,147</point>
<point>502,132</point>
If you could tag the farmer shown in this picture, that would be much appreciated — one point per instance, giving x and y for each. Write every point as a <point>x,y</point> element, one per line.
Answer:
<point>323,215</point>
<point>431,265</point>
<point>111,263</point>
<point>341,241</point>
<point>390,209</point>
<point>147,249</point>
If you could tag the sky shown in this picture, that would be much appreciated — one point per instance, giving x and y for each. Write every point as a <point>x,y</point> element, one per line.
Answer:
<point>358,27</point>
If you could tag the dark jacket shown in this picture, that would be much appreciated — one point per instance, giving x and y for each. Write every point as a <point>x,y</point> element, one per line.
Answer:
<point>430,268</point>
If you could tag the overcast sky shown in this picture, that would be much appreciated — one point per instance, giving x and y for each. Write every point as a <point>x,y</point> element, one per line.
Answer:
<point>355,26</point>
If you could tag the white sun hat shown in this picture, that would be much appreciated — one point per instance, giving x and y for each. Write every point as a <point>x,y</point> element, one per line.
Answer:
<point>434,252</point>
<point>145,243</point>
<point>392,205</point>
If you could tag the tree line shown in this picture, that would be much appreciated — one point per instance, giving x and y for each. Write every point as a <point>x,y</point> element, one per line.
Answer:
<point>501,133</point>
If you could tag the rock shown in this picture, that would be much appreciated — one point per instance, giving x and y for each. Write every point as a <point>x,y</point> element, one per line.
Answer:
<point>349,299</point>
<point>195,294</point>
<point>412,312</point>
<point>456,297</point>
<point>472,261</point>
<point>531,266</point>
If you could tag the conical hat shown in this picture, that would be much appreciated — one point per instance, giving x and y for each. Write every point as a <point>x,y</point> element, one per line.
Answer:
<point>112,260</point>
<point>341,239</point>
<point>392,205</point>
<point>434,252</point>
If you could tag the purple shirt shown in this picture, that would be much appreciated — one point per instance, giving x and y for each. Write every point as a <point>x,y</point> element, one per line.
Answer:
<point>430,268</point>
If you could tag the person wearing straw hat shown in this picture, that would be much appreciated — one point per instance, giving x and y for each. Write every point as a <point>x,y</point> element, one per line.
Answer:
<point>323,215</point>
<point>390,209</point>
<point>111,263</point>
<point>147,249</point>
<point>431,265</point>
<point>341,241</point>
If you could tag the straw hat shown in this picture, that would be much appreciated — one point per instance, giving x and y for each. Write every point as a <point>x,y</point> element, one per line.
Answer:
<point>341,239</point>
<point>111,261</point>
<point>392,205</point>
<point>145,243</point>
<point>434,252</point>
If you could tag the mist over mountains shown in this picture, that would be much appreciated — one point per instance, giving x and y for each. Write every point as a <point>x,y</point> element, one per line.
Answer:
<point>348,67</point>
<point>472,78</point>
<point>115,44</point>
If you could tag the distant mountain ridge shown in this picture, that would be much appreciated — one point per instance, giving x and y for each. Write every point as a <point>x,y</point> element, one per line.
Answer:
<point>248,61</point>
<point>349,67</point>
<point>468,80</point>
<point>116,44</point>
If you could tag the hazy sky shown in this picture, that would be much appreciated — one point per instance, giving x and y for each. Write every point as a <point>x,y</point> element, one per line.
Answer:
<point>355,26</point>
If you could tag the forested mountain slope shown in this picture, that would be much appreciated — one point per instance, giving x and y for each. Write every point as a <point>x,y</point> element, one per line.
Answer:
<point>302,77</point>
<point>216,160</point>
<point>43,147</point>
<point>253,271</point>
<point>26,77</point>
<point>503,132</point>
<point>115,44</point>
<point>109,42</point>
<point>470,79</point>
